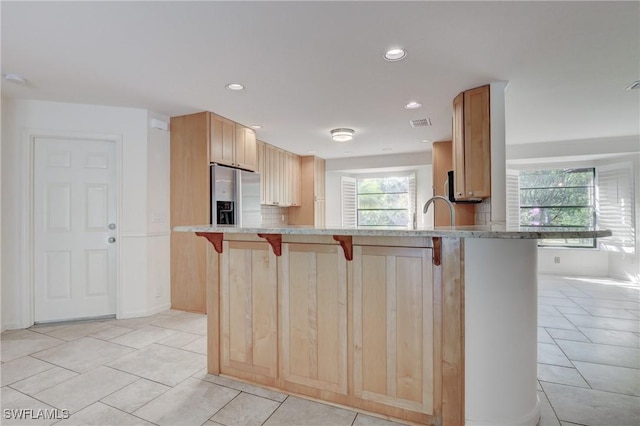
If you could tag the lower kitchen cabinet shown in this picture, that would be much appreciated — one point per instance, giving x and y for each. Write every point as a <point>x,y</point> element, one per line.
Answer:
<point>313,316</point>
<point>366,333</point>
<point>393,327</point>
<point>248,314</point>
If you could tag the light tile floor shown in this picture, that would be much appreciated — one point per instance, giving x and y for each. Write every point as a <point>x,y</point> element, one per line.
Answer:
<point>148,371</point>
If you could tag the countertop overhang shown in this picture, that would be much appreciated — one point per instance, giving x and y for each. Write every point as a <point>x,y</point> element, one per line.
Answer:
<point>488,231</point>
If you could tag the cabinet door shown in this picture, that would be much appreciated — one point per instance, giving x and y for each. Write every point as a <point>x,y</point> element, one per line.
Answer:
<point>319,178</point>
<point>477,143</point>
<point>393,327</point>
<point>248,309</point>
<point>319,215</point>
<point>313,321</point>
<point>260,168</point>
<point>222,140</point>
<point>274,175</point>
<point>458,146</point>
<point>295,179</point>
<point>245,148</point>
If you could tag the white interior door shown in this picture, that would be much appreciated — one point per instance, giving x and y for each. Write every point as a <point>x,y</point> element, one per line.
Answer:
<point>74,229</point>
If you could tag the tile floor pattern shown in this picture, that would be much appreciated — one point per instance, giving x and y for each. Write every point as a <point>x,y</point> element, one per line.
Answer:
<point>151,371</point>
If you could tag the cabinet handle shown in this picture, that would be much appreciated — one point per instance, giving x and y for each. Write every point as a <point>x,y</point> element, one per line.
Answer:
<point>470,192</point>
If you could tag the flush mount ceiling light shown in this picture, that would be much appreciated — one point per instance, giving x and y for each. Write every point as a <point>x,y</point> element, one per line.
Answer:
<point>342,135</point>
<point>413,105</point>
<point>234,86</point>
<point>634,85</point>
<point>256,126</point>
<point>395,55</point>
<point>426,141</point>
<point>16,79</point>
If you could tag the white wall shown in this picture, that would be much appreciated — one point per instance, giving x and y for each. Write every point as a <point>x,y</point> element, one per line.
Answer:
<point>594,263</point>
<point>143,156</point>
<point>418,162</point>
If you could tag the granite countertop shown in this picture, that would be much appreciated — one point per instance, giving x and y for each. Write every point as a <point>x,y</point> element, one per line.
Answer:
<point>486,231</point>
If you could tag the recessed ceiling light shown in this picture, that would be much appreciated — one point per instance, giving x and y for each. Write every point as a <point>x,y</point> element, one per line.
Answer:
<point>312,151</point>
<point>395,55</point>
<point>342,134</point>
<point>413,105</point>
<point>256,126</point>
<point>386,149</point>
<point>15,78</point>
<point>634,85</point>
<point>426,141</point>
<point>235,86</point>
<point>348,152</point>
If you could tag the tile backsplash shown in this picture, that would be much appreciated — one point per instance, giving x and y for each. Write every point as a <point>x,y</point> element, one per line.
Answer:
<point>274,216</point>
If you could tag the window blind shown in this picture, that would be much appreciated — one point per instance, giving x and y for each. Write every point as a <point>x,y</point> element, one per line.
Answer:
<point>412,200</point>
<point>616,205</point>
<point>513,199</point>
<point>348,197</point>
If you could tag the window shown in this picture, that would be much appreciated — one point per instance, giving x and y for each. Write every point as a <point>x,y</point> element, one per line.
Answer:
<point>379,201</point>
<point>562,199</point>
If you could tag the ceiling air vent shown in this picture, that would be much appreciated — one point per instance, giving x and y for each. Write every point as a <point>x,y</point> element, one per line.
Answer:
<point>423,122</point>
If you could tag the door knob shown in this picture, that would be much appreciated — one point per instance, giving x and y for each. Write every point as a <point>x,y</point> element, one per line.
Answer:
<point>112,226</point>
<point>111,240</point>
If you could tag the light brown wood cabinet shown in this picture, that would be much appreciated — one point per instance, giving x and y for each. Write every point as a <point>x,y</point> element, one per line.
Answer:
<point>280,174</point>
<point>313,316</point>
<point>245,148</point>
<point>442,162</point>
<point>382,332</point>
<point>248,320</point>
<point>472,144</point>
<point>190,204</point>
<point>312,195</point>
<point>196,140</point>
<point>393,329</point>
<point>232,144</point>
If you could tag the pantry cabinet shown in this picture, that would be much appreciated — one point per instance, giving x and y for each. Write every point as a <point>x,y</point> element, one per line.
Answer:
<point>232,144</point>
<point>312,199</point>
<point>196,141</point>
<point>472,144</point>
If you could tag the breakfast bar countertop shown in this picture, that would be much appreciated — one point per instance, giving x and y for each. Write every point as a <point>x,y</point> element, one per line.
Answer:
<point>478,231</point>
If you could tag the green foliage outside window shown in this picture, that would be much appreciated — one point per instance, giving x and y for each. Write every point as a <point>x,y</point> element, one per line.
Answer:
<point>562,199</point>
<point>383,202</point>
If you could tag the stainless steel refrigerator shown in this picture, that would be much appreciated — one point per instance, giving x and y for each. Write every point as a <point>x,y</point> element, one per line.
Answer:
<point>235,197</point>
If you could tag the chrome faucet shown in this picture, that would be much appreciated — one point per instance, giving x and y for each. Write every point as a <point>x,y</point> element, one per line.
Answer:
<point>452,211</point>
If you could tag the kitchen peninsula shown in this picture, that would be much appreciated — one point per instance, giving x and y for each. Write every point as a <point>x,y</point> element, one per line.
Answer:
<point>434,326</point>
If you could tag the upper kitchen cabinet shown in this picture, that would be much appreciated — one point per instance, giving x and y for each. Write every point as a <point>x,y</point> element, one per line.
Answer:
<point>312,202</point>
<point>232,144</point>
<point>472,144</point>
<point>280,171</point>
<point>245,148</point>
